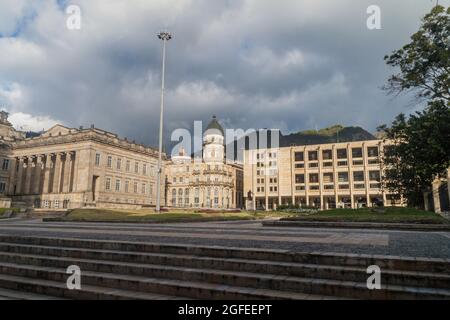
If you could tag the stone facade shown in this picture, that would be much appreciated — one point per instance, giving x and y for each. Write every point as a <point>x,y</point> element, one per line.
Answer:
<point>206,182</point>
<point>72,168</point>
<point>324,176</point>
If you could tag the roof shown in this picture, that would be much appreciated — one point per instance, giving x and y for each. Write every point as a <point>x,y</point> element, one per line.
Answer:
<point>214,124</point>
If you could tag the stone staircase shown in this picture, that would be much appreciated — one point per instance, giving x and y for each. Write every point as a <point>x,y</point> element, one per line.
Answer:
<point>35,268</point>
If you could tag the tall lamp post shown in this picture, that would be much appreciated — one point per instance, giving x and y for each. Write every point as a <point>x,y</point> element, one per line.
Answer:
<point>164,36</point>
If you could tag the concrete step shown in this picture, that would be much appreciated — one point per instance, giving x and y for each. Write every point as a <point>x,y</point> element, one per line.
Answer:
<point>25,286</point>
<point>33,254</point>
<point>352,260</point>
<point>350,289</point>
<point>6,294</point>
<point>137,285</point>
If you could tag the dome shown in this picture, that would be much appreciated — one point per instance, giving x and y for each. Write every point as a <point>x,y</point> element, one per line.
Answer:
<point>214,125</point>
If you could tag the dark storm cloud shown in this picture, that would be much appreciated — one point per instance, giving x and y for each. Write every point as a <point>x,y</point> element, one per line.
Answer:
<point>280,64</point>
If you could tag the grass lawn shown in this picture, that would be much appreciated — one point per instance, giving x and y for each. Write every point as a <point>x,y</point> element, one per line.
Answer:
<point>394,214</point>
<point>3,211</point>
<point>148,215</point>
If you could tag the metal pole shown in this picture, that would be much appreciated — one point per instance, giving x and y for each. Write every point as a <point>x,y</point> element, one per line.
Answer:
<point>164,36</point>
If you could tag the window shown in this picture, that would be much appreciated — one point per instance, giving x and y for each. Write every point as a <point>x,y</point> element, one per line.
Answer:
<point>109,162</point>
<point>119,163</point>
<point>328,177</point>
<point>136,167</point>
<point>174,179</point>
<point>174,197</point>
<point>357,153</point>
<point>312,155</point>
<point>372,151</point>
<point>299,156</point>
<point>135,187</point>
<point>358,162</point>
<point>56,205</point>
<point>358,176</point>
<point>299,165</point>
<point>186,196</point>
<point>108,184</point>
<point>374,176</point>
<point>313,177</point>
<point>327,164</point>
<point>313,165</point>
<point>5,165</point>
<point>342,153</point>
<point>144,188</point>
<point>299,178</point>
<point>97,159</point>
<point>327,154</point>
<point>2,187</point>
<point>144,169</point>
<point>343,176</point>
<point>127,184</point>
<point>127,166</point>
<point>117,185</point>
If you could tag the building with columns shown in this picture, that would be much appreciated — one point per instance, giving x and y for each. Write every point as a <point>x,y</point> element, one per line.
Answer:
<point>206,182</point>
<point>346,174</point>
<point>73,168</point>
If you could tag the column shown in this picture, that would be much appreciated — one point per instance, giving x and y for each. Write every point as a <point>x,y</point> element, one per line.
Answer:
<point>47,174</point>
<point>38,175</point>
<point>67,172</point>
<point>19,177</point>
<point>448,182</point>
<point>426,202</point>
<point>436,197</point>
<point>12,179</point>
<point>320,162</point>
<point>350,176</point>
<point>73,179</point>
<point>29,171</point>
<point>57,169</point>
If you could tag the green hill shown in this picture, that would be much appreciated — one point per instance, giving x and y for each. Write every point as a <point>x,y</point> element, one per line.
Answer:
<point>336,133</point>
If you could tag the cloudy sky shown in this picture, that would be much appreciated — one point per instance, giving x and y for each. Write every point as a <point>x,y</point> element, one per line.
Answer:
<point>293,65</point>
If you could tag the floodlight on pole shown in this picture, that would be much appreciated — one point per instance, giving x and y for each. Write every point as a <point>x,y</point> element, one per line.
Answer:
<point>164,36</point>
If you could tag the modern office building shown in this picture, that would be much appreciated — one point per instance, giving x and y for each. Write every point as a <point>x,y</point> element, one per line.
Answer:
<point>346,174</point>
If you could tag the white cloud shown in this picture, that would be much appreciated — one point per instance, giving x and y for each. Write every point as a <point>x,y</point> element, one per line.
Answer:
<point>28,122</point>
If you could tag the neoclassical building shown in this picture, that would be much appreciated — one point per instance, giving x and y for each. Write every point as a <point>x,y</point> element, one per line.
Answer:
<point>208,182</point>
<point>72,168</point>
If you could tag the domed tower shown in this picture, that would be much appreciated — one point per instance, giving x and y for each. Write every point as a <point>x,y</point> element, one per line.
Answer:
<point>213,137</point>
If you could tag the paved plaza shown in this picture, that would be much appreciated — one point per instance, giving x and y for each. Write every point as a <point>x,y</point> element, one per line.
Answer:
<point>246,234</point>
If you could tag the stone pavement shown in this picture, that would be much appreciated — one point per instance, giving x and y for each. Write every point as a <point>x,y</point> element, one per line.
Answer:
<point>247,234</point>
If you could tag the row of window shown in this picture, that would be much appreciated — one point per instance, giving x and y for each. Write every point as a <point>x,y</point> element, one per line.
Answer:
<point>118,186</point>
<point>357,186</point>
<point>119,165</point>
<point>357,152</point>
<point>197,180</point>
<point>328,177</point>
<point>271,180</point>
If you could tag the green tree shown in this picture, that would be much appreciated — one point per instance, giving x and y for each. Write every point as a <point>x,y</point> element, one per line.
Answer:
<point>424,63</point>
<point>419,152</point>
<point>420,149</point>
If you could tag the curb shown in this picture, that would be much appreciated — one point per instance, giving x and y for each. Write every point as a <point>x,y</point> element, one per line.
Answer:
<point>358,225</point>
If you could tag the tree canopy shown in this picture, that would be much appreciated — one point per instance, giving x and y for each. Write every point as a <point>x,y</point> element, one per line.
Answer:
<point>419,149</point>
